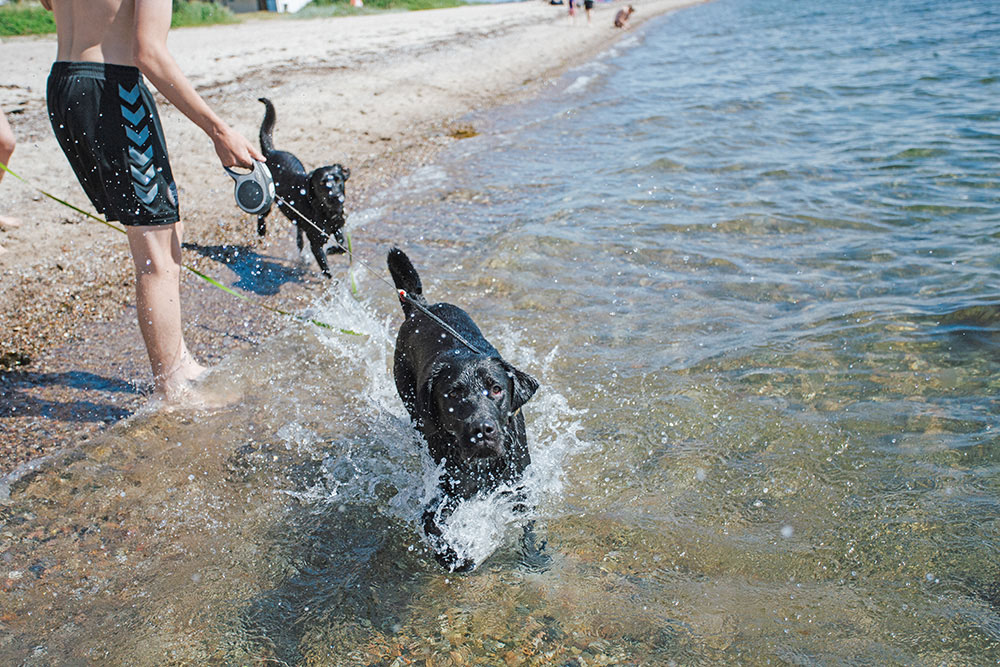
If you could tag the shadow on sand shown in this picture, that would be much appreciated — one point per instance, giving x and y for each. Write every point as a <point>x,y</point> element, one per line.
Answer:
<point>18,402</point>
<point>256,273</point>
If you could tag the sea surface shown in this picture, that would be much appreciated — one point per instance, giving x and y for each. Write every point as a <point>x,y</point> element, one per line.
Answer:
<point>750,253</point>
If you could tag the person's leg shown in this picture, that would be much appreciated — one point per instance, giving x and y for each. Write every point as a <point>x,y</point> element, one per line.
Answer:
<point>156,252</point>
<point>6,142</point>
<point>6,150</point>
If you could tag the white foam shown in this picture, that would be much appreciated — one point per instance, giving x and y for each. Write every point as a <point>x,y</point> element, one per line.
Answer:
<point>579,84</point>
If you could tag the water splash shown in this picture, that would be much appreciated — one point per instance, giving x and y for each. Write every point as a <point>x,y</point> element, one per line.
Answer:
<point>389,469</point>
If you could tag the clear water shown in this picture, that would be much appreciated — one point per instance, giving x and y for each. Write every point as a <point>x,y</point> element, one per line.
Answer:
<point>750,254</point>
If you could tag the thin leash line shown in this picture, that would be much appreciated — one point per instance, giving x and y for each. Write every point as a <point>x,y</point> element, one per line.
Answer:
<point>402,293</point>
<point>199,274</point>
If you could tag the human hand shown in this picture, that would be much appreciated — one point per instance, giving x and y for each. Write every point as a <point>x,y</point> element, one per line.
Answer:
<point>234,150</point>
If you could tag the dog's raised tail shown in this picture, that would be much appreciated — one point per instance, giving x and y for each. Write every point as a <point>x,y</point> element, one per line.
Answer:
<point>266,143</point>
<point>405,277</point>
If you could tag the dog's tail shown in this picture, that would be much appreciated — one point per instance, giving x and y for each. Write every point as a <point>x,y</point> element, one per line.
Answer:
<point>406,278</point>
<point>266,144</point>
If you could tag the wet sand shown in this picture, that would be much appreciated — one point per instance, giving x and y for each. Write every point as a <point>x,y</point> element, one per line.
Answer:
<point>380,94</point>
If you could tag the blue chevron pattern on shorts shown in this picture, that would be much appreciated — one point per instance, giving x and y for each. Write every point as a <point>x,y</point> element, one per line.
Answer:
<point>139,151</point>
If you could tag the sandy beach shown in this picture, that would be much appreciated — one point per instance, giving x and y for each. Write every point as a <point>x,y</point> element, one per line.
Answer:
<point>378,93</point>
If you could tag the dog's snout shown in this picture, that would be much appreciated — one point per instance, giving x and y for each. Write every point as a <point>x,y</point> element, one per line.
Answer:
<point>485,431</point>
<point>484,437</point>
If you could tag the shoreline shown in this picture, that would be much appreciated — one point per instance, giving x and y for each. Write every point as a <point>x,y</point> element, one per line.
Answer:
<point>381,94</point>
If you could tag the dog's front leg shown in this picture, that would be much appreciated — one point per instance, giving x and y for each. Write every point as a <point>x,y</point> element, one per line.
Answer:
<point>340,246</point>
<point>320,255</point>
<point>262,224</point>
<point>444,554</point>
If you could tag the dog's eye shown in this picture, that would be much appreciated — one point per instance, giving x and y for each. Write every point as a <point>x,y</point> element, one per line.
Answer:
<point>496,390</point>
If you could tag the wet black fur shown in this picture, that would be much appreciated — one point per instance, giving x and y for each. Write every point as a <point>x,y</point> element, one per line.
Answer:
<point>322,202</point>
<point>466,403</point>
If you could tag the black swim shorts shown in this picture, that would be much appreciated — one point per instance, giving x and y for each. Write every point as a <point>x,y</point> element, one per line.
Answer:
<point>106,122</point>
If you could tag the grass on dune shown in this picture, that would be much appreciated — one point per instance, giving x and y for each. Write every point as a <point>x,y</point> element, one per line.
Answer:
<point>30,18</point>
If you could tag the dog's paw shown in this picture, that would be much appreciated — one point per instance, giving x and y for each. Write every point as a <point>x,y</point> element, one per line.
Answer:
<point>451,561</point>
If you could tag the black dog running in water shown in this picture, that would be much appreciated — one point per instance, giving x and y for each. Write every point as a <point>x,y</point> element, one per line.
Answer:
<point>317,196</point>
<point>466,403</point>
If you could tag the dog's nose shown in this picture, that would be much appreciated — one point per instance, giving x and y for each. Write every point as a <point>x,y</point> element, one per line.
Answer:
<point>484,432</point>
<point>486,440</point>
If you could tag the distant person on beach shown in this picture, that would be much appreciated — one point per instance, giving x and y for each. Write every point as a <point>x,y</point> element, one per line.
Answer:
<point>6,150</point>
<point>622,17</point>
<point>588,6</point>
<point>572,10</point>
<point>107,125</point>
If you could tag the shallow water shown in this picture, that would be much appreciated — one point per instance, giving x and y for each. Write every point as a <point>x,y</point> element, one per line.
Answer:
<point>750,255</point>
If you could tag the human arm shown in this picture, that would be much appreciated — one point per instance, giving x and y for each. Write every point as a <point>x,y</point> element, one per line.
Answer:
<point>149,48</point>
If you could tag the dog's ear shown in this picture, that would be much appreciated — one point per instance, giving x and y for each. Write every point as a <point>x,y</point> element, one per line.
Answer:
<point>424,401</point>
<point>424,404</point>
<point>525,386</point>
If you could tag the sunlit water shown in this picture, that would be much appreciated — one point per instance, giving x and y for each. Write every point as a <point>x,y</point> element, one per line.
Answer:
<point>751,256</point>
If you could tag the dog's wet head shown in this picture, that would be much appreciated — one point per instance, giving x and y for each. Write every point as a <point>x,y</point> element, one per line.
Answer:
<point>475,402</point>
<point>328,186</point>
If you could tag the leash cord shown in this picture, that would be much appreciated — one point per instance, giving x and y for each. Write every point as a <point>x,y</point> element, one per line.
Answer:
<point>402,293</point>
<point>196,272</point>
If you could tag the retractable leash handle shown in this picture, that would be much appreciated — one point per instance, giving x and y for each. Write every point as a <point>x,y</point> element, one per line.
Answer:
<point>254,191</point>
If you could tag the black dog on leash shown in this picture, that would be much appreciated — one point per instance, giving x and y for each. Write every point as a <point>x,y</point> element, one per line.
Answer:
<point>314,201</point>
<point>464,398</point>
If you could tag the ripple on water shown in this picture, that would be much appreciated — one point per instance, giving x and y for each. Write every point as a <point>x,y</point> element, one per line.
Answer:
<point>757,279</point>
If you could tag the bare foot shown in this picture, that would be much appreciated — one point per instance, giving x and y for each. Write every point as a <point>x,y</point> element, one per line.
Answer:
<point>194,396</point>
<point>193,388</point>
<point>198,372</point>
<point>176,378</point>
